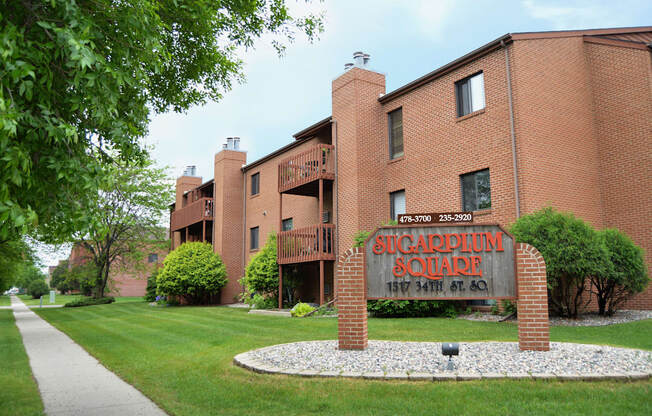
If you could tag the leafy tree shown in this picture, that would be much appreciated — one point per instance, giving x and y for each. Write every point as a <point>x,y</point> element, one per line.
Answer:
<point>81,277</point>
<point>192,271</point>
<point>16,258</point>
<point>79,80</point>
<point>27,274</point>
<point>58,277</point>
<point>125,220</point>
<point>626,276</point>
<point>572,251</point>
<point>38,288</point>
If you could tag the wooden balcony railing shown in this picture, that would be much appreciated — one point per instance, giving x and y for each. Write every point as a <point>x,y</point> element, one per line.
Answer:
<point>312,243</point>
<point>307,166</point>
<point>200,210</point>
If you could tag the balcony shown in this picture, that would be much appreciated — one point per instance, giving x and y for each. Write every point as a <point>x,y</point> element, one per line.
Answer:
<point>304,244</point>
<point>297,174</point>
<point>200,210</point>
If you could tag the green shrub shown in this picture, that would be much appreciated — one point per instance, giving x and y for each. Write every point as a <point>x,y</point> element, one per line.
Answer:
<point>572,251</point>
<point>193,271</point>
<point>626,276</point>
<point>360,237</point>
<point>38,288</point>
<point>261,274</point>
<point>89,302</point>
<point>509,307</point>
<point>150,291</point>
<point>259,301</point>
<point>300,309</point>
<point>387,308</point>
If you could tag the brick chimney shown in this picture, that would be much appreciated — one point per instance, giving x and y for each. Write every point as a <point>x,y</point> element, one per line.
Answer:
<point>360,147</point>
<point>227,226</point>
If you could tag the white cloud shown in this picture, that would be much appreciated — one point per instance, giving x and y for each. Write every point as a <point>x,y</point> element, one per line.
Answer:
<point>572,15</point>
<point>431,16</point>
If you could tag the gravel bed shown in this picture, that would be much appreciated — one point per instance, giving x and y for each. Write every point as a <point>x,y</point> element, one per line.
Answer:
<point>593,319</point>
<point>499,359</point>
<point>587,319</point>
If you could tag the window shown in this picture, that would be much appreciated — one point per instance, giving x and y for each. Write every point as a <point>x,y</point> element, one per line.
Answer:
<point>255,183</point>
<point>287,224</point>
<point>476,190</point>
<point>470,94</point>
<point>395,133</point>
<point>253,233</point>
<point>152,258</point>
<point>396,204</point>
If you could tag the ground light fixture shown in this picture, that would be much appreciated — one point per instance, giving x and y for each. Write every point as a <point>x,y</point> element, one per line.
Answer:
<point>450,349</point>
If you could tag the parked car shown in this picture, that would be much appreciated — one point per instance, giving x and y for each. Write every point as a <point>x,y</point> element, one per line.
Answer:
<point>12,291</point>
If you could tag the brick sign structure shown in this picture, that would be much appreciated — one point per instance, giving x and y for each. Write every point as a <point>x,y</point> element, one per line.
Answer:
<point>442,262</point>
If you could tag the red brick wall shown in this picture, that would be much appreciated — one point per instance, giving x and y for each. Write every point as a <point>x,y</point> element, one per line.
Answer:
<point>263,208</point>
<point>351,301</point>
<point>532,304</point>
<point>227,225</point>
<point>555,132</point>
<point>620,81</point>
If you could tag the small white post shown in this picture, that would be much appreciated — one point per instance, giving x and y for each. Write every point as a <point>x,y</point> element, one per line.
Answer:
<point>52,296</point>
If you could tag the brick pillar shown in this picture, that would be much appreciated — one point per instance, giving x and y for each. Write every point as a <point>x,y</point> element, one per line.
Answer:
<point>351,301</point>
<point>532,304</point>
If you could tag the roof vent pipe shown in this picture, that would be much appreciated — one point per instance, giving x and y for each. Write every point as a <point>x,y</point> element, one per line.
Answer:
<point>365,59</point>
<point>191,170</point>
<point>236,143</point>
<point>358,58</point>
<point>348,66</point>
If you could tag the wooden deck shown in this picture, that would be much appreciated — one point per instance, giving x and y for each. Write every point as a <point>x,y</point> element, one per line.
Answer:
<point>315,163</point>
<point>307,244</point>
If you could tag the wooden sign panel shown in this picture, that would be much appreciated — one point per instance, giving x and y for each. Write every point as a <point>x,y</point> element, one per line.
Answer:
<point>440,262</point>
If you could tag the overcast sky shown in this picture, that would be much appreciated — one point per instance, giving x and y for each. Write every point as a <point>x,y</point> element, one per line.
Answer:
<point>406,39</point>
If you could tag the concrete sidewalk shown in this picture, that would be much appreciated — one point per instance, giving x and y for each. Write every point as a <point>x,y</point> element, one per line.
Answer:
<point>72,382</point>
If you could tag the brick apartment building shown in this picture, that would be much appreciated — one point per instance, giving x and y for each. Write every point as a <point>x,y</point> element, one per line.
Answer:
<point>125,278</point>
<point>525,121</point>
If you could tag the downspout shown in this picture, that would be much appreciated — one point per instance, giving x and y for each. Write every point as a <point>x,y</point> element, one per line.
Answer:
<point>244,225</point>
<point>337,195</point>
<point>511,127</point>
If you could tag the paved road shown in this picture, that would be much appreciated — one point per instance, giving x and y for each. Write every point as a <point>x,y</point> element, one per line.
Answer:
<point>72,382</point>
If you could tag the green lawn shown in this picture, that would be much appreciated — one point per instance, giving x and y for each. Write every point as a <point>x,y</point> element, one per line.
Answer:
<point>63,299</point>
<point>182,359</point>
<point>19,393</point>
<point>5,300</point>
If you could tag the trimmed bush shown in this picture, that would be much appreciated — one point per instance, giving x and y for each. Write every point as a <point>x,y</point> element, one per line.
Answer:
<point>192,271</point>
<point>300,309</point>
<point>38,288</point>
<point>261,274</point>
<point>572,251</point>
<point>387,308</point>
<point>626,276</point>
<point>89,302</point>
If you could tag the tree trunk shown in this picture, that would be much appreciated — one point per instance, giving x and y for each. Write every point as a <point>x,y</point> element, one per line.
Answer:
<point>602,303</point>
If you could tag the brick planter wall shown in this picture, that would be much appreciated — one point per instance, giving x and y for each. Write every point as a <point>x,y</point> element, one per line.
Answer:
<point>351,301</point>
<point>532,305</point>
